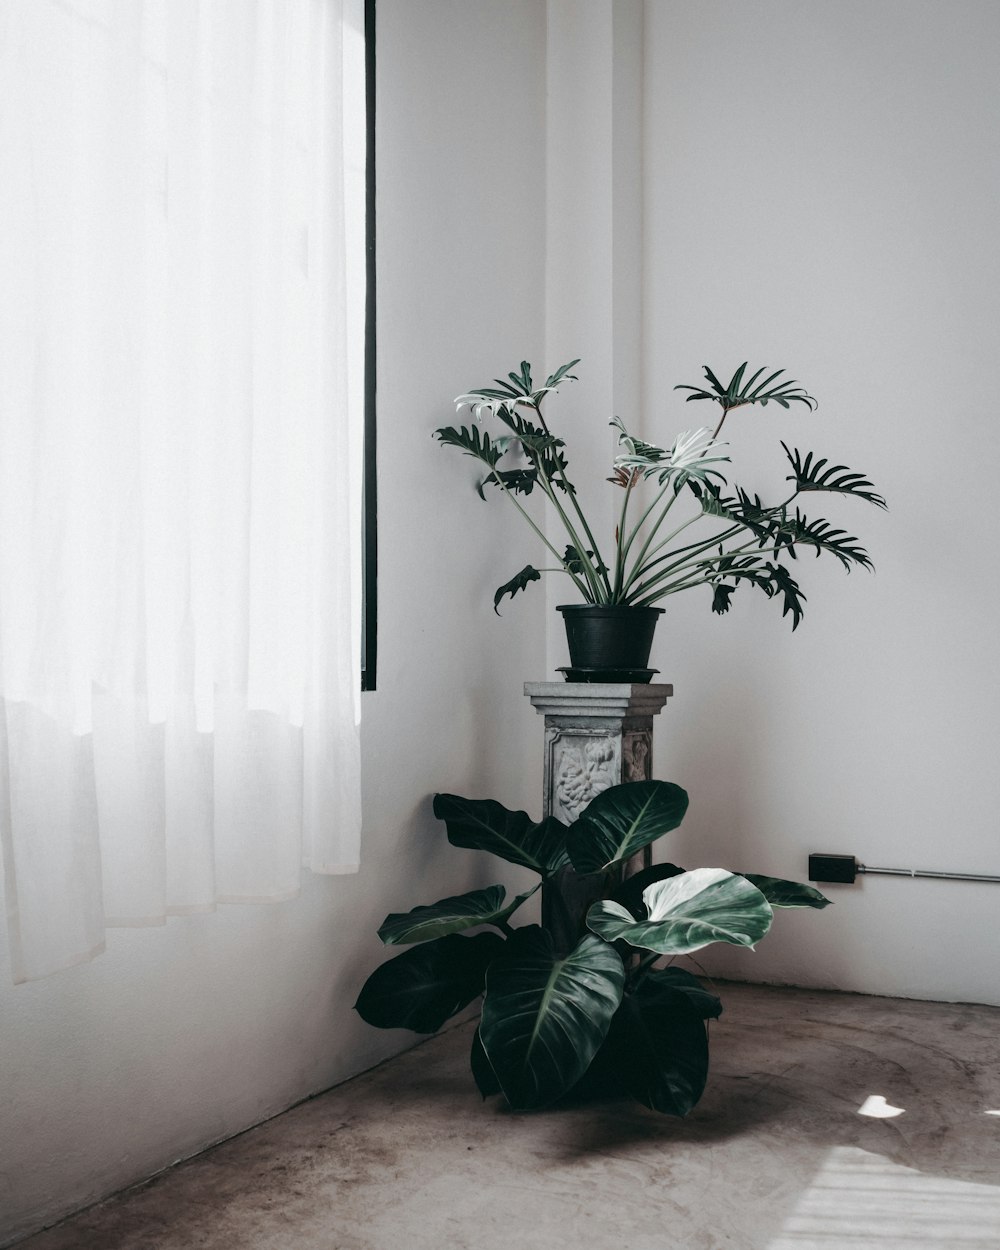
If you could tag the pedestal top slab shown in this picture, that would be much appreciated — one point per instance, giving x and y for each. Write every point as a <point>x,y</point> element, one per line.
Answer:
<point>587,698</point>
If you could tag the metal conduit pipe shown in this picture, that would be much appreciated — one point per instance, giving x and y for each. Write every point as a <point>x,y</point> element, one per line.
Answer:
<point>919,872</point>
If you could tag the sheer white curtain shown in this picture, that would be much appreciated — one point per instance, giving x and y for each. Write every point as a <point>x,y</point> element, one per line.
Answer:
<point>181,350</point>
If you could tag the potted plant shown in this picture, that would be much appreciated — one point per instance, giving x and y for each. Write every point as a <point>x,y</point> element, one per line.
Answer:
<point>590,1010</point>
<point>741,539</point>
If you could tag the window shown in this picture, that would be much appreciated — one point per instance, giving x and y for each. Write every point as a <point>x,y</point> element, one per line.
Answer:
<point>369,632</point>
<point>182,276</point>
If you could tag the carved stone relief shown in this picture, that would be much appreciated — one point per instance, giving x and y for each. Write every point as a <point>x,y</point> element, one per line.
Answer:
<point>581,768</point>
<point>636,756</point>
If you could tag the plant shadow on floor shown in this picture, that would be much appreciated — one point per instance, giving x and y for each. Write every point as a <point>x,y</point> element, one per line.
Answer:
<point>784,1078</point>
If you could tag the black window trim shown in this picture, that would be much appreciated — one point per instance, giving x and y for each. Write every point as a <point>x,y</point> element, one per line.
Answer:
<point>369,635</point>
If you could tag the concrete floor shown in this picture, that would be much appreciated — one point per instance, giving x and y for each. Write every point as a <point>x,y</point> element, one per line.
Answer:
<point>831,1121</point>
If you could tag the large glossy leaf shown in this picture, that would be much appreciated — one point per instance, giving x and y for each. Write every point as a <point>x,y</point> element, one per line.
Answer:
<point>482,1069</point>
<point>545,1017</point>
<point>659,1044</point>
<point>688,912</point>
<point>425,985</point>
<point>780,893</point>
<point>707,1004</point>
<point>630,892</point>
<point>450,915</point>
<point>485,825</point>
<point>622,820</point>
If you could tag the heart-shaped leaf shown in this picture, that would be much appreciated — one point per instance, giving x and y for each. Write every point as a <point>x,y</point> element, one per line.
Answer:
<point>622,820</point>
<point>425,985</point>
<point>450,915</point>
<point>688,912</point>
<point>658,1042</point>
<point>545,1017</point>
<point>485,825</point>
<point>781,893</point>
<point>629,893</point>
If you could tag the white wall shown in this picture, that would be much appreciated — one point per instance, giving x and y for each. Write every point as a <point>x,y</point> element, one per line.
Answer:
<point>181,1036</point>
<point>821,183</point>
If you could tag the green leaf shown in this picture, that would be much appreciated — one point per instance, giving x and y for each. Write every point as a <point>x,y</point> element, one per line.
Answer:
<point>821,535</point>
<point>482,1069</point>
<point>736,394</point>
<point>622,820</point>
<point>504,391</point>
<point>658,1042</point>
<point>574,564</point>
<point>767,381</point>
<point>721,595</point>
<point>471,441</point>
<point>522,380</point>
<point>809,474</point>
<point>426,985</point>
<point>485,825</point>
<point>517,481</point>
<point>519,581</point>
<point>545,1017</point>
<point>781,893</point>
<point>707,1004</point>
<point>629,893</point>
<point>688,912</point>
<point>450,915</point>
<point>733,389</point>
<point>774,579</point>
<point>562,372</point>
<point>781,582</point>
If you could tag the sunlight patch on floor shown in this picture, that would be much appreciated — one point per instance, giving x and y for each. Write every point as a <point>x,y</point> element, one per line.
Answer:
<point>877,1107</point>
<point>863,1201</point>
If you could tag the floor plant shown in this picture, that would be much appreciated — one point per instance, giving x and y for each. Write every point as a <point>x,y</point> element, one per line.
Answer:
<point>607,1013</point>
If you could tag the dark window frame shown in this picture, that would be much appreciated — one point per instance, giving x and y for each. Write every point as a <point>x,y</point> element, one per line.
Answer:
<point>369,634</point>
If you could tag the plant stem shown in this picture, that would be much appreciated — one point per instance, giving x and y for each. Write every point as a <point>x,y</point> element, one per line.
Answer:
<point>698,556</point>
<point>637,564</point>
<point>510,495</point>
<point>620,554</point>
<point>694,561</point>
<point>589,571</point>
<point>699,544</point>
<point>570,491</point>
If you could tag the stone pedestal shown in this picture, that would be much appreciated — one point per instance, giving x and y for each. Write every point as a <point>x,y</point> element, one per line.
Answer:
<point>596,736</point>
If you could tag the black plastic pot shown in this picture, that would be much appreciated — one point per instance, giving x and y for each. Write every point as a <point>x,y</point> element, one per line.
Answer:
<point>609,643</point>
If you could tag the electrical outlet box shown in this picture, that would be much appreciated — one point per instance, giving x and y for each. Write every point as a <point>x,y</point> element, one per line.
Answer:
<point>840,868</point>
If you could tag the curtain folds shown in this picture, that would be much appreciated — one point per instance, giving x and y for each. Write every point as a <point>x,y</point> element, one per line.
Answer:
<point>181,331</point>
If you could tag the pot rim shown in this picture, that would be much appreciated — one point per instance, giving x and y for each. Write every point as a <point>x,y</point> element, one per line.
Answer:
<point>609,609</point>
